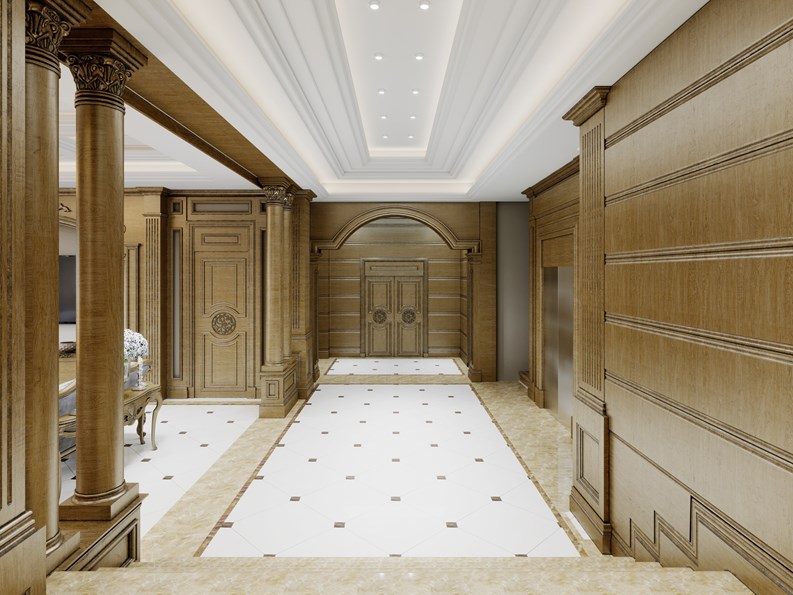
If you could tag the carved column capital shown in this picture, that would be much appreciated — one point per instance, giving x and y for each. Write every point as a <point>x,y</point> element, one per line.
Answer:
<point>44,31</point>
<point>276,195</point>
<point>99,79</point>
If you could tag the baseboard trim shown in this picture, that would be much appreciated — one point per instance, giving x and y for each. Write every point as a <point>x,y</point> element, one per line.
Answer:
<point>599,531</point>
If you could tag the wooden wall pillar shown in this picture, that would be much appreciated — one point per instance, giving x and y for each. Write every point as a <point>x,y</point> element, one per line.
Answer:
<point>482,277</point>
<point>22,557</point>
<point>302,315</point>
<point>589,498</point>
<point>288,264</point>
<point>314,314</point>
<point>100,61</point>
<point>154,302</point>
<point>277,383</point>
<point>46,26</point>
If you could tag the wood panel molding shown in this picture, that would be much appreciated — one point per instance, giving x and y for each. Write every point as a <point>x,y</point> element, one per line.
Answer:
<point>774,455</point>
<point>769,350</point>
<point>717,250</point>
<point>776,143</point>
<point>757,50</point>
<point>588,105</point>
<point>703,514</point>
<point>400,211</point>
<point>560,175</point>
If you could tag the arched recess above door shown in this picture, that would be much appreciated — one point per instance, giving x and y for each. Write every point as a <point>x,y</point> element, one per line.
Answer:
<point>448,236</point>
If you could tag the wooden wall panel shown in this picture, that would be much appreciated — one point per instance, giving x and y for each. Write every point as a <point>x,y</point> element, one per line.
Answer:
<point>695,56</point>
<point>753,295</point>
<point>698,278</point>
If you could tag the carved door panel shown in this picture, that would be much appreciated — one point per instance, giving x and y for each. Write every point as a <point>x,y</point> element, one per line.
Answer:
<point>409,314</point>
<point>223,313</point>
<point>394,308</point>
<point>379,316</point>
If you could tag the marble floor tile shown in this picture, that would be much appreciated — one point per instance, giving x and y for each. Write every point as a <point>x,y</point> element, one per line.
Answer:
<point>401,366</point>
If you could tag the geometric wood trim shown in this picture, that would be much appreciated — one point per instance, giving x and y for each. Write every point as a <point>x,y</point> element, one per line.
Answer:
<point>760,448</point>
<point>781,353</point>
<point>131,286</point>
<point>580,471</point>
<point>754,52</point>
<point>717,250</point>
<point>408,212</point>
<point>770,563</point>
<point>593,402</point>
<point>761,148</point>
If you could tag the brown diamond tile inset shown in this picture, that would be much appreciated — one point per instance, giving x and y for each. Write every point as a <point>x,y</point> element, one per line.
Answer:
<point>451,525</point>
<point>168,477</point>
<point>394,555</point>
<point>395,433</point>
<point>356,446</point>
<point>312,460</point>
<point>294,499</point>
<point>433,446</point>
<point>468,433</point>
<point>495,498</point>
<point>441,477</point>
<point>259,477</point>
<point>204,445</point>
<point>394,460</point>
<point>479,460</point>
<point>338,525</point>
<point>182,433</point>
<point>396,499</point>
<point>127,445</point>
<point>349,477</point>
<point>325,432</point>
<point>145,460</point>
<point>231,421</point>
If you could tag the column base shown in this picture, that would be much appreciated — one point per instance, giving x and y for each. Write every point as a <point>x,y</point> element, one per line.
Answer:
<point>107,544</point>
<point>277,389</point>
<point>103,510</point>
<point>474,375</point>
<point>66,546</point>
<point>22,565</point>
<point>599,531</point>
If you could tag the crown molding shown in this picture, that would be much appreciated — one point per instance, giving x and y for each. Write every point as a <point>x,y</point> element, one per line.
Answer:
<point>588,105</point>
<point>560,175</point>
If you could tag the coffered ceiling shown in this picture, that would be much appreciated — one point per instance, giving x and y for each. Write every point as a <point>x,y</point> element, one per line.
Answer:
<point>332,91</point>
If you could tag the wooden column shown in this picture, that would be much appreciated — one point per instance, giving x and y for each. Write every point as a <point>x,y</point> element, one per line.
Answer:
<point>22,559</point>
<point>100,61</point>
<point>313,307</point>
<point>277,381</point>
<point>303,323</point>
<point>589,498</point>
<point>46,26</point>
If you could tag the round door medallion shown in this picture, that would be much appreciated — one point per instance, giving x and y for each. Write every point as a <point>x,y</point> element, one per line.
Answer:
<point>379,315</point>
<point>408,316</point>
<point>223,323</point>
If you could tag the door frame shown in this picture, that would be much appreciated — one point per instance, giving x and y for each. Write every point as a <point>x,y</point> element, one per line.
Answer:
<point>424,300</point>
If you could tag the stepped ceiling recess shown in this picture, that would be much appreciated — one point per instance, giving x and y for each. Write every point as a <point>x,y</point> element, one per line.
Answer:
<point>473,91</point>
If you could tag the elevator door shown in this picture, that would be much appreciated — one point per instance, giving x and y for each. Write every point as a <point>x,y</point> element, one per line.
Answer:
<point>557,325</point>
<point>393,312</point>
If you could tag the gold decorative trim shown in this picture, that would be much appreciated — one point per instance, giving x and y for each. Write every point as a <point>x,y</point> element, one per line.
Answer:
<point>588,105</point>
<point>754,52</point>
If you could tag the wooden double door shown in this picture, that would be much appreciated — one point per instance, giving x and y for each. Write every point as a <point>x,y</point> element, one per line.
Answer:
<point>394,308</point>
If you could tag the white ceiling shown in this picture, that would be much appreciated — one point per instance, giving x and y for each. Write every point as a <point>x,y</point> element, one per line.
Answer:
<point>299,79</point>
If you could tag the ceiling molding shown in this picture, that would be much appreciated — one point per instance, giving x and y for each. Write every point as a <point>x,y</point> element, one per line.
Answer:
<point>588,105</point>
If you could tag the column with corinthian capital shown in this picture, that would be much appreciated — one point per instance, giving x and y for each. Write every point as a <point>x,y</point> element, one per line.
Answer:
<point>277,381</point>
<point>101,61</point>
<point>46,24</point>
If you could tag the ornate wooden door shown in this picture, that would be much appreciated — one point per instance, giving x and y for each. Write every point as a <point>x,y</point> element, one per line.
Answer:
<point>394,308</point>
<point>223,311</point>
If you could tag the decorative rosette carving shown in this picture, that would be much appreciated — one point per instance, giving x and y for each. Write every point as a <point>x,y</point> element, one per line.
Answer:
<point>379,315</point>
<point>223,323</point>
<point>408,316</point>
<point>94,72</point>
<point>44,31</point>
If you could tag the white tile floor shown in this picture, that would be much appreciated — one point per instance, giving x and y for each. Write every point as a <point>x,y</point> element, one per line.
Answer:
<point>190,438</point>
<point>380,470</point>
<point>403,366</point>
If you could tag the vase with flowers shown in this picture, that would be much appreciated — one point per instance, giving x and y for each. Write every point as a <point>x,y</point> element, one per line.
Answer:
<point>136,347</point>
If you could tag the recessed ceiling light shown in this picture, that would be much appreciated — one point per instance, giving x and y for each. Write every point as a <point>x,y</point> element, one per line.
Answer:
<point>424,4</point>
<point>419,56</point>
<point>374,4</point>
<point>378,56</point>
<point>383,117</point>
<point>385,137</point>
<point>381,91</point>
<point>412,116</point>
<point>410,136</point>
<point>415,91</point>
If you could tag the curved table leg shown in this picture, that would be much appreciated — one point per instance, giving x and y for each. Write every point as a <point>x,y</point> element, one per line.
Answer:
<point>154,414</point>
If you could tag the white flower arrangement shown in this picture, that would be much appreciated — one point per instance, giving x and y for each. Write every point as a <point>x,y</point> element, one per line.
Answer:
<point>135,345</point>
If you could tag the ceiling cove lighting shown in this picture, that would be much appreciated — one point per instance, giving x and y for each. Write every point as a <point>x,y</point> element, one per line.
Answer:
<point>424,4</point>
<point>378,56</point>
<point>374,4</point>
